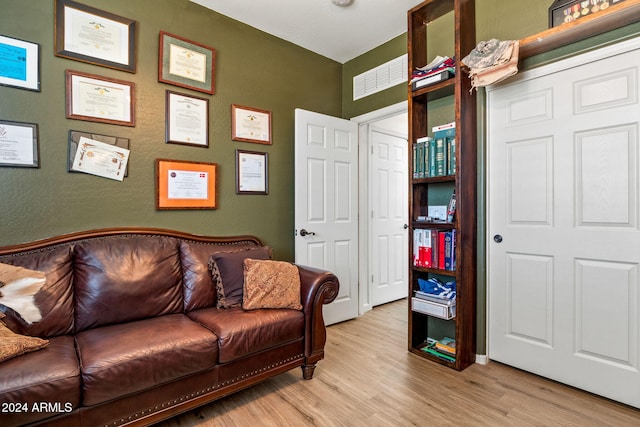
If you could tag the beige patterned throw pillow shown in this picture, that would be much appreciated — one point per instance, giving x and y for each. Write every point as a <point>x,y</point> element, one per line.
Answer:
<point>270,284</point>
<point>227,273</point>
<point>12,344</point>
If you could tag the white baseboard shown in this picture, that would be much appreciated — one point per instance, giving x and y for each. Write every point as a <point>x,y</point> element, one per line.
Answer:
<point>482,359</point>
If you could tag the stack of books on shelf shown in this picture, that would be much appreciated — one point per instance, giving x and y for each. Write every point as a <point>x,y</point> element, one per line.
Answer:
<point>444,348</point>
<point>436,156</point>
<point>440,69</point>
<point>435,298</point>
<point>434,248</point>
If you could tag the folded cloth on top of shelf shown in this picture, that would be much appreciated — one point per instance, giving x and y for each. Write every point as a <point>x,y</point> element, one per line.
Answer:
<point>438,64</point>
<point>492,61</point>
<point>435,287</point>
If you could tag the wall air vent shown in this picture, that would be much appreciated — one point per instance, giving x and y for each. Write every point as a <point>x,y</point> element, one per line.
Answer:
<point>382,77</point>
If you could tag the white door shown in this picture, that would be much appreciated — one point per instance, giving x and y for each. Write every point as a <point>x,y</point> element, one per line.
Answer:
<point>389,245</point>
<point>563,222</point>
<point>326,204</point>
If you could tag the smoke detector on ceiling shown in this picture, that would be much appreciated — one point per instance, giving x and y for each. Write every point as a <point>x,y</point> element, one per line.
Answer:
<point>342,3</point>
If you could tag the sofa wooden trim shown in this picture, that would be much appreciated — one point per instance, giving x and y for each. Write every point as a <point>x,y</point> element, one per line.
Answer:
<point>103,232</point>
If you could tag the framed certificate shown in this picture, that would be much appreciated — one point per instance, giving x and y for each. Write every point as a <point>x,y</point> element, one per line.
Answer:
<point>92,35</point>
<point>187,120</point>
<point>185,185</point>
<point>185,63</point>
<point>19,144</point>
<point>252,172</point>
<point>250,124</point>
<point>99,99</point>
<point>74,143</point>
<point>100,159</point>
<point>19,64</point>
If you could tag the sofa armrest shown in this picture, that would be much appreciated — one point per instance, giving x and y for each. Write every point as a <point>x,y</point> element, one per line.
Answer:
<point>317,287</point>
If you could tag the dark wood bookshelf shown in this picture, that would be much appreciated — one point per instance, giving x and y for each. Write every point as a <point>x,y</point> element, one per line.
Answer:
<point>464,182</point>
<point>420,325</point>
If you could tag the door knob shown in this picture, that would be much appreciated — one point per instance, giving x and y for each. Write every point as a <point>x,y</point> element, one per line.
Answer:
<point>304,232</point>
<point>405,226</point>
<point>497,238</point>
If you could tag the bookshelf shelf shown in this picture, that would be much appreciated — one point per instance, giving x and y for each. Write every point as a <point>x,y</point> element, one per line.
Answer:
<point>434,179</point>
<point>435,271</point>
<point>434,224</point>
<point>436,190</point>
<point>436,91</point>
<point>435,359</point>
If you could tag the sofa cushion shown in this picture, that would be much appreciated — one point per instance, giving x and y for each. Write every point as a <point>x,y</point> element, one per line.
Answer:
<point>199,288</point>
<point>123,359</point>
<point>125,278</point>
<point>270,284</point>
<point>241,332</point>
<point>227,271</point>
<point>55,298</point>
<point>50,376</point>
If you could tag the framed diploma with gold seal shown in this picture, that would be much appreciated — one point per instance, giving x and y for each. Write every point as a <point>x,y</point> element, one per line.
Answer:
<point>186,63</point>
<point>250,124</point>
<point>187,119</point>
<point>185,185</point>
<point>99,99</point>
<point>92,35</point>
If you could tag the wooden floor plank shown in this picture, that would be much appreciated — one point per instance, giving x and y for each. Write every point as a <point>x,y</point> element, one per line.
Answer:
<point>369,379</point>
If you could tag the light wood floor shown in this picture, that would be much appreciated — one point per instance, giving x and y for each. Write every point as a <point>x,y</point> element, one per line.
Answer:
<point>368,378</point>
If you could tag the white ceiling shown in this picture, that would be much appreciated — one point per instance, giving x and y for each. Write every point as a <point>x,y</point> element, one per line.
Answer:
<point>339,33</point>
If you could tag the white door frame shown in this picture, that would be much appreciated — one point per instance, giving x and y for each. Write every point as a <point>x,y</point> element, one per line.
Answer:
<point>364,120</point>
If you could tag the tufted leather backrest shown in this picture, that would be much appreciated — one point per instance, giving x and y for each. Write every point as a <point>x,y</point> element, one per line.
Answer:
<point>124,278</point>
<point>199,289</point>
<point>55,299</point>
<point>109,276</point>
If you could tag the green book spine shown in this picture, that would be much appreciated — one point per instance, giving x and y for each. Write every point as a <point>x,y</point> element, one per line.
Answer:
<point>429,349</point>
<point>415,158</point>
<point>425,158</point>
<point>441,157</point>
<point>432,158</point>
<point>419,160</point>
<point>451,156</point>
<point>422,156</point>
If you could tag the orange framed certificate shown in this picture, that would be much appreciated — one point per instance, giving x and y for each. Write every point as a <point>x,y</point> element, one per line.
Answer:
<point>185,185</point>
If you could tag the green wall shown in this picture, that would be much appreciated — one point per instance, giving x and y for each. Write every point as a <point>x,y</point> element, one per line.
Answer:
<point>252,69</point>
<point>383,53</point>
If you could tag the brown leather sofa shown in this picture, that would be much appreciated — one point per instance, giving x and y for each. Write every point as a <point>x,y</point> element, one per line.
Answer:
<point>134,333</point>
